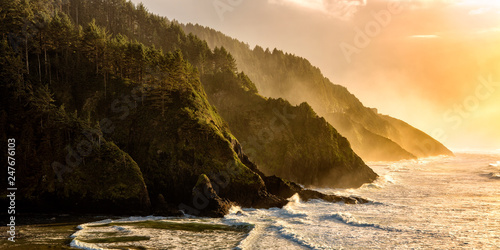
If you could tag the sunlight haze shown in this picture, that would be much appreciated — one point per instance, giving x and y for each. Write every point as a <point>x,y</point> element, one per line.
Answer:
<point>425,62</point>
<point>250,124</point>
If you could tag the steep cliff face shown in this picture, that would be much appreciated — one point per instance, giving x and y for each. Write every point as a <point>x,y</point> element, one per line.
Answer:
<point>184,139</point>
<point>414,140</point>
<point>294,151</point>
<point>392,139</point>
<point>284,140</point>
<point>282,75</point>
<point>366,143</point>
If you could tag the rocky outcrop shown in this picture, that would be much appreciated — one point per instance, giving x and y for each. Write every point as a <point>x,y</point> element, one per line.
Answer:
<point>287,189</point>
<point>207,197</point>
<point>307,194</point>
<point>187,140</point>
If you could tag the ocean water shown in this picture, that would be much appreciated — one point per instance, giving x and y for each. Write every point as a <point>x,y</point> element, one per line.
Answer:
<point>433,203</point>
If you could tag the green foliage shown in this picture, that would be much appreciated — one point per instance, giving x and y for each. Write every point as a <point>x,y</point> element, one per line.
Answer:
<point>80,70</point>
<point>282,75</point>
<point>12,68</point>
<point>97,170</point>
<point>219,76</point>
<point>288,141</point>
<point>84,62</point>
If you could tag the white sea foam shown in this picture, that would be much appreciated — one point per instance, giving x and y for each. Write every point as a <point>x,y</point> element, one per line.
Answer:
<point>235,210</point>
<point>436,203</point>
<point>381,182</point>
<point>496,164</point>
<point>295,199</point>
<point>287,231</point>
<point>82,245</point>
<point>349,219</point>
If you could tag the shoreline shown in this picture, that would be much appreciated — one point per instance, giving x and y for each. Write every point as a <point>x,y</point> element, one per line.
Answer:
<point>46,230</point>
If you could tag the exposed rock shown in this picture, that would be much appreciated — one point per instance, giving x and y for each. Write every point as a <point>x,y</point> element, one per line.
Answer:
<point>163,208</point>
<point>286,189</point>
<point>308,194</point>
<point>208,202</point>
<point>281,187</point>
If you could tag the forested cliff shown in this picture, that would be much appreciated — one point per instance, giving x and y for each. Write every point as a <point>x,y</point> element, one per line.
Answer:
<point>278,74</point>
<point>116,109</point>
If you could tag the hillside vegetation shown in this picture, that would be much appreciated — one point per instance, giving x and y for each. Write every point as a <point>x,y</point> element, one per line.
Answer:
<point>278,74</point>
<point>117,110</point>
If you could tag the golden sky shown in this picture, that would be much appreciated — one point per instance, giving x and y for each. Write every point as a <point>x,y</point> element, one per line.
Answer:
<point>423,61</point>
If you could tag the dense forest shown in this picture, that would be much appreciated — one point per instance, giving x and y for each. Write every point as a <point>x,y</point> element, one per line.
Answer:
<point>282,75</point>
<point>116,109</point>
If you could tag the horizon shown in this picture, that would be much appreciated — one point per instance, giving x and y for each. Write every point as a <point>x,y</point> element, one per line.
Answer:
<point>215,125</point>
<point>453,74</point>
